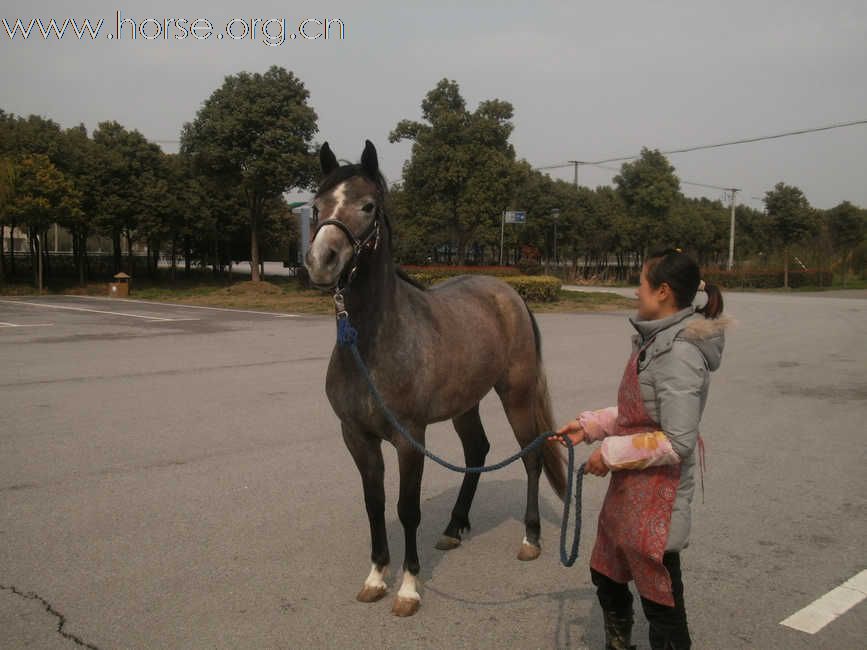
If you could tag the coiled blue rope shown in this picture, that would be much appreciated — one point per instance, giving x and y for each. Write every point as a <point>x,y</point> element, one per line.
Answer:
<point>347,336</point>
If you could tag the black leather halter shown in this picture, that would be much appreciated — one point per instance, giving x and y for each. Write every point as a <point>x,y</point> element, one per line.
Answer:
<point>367,240</point>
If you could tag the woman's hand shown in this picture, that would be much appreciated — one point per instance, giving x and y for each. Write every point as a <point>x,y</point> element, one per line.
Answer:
<point>596,464</point>
<point>573,430</point>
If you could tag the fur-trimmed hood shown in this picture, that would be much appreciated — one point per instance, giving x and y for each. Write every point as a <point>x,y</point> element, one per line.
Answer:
<point>707,334</point>
<point>705,328</point>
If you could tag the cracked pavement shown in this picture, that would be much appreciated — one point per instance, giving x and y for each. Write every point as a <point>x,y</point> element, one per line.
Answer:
<point>169,483</point>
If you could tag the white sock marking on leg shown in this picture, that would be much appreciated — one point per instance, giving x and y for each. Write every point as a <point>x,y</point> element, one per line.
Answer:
<point>374,579</point>
<point>408,587</point>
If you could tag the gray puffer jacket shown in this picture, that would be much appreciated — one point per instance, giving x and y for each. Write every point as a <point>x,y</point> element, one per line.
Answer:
<point>674,376</point>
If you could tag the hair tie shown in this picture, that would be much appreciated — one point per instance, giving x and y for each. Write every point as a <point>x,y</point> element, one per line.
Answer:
<point>701,285</point>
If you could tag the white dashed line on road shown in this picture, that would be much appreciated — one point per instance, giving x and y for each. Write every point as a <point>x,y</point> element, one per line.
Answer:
<point>175,304</point>
<point>26,324</point>
<point>832,605</point>
<point>95,311</point>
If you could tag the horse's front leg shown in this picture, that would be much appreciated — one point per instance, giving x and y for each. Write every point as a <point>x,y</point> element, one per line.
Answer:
<point>411,464</point>
<point>366,451</point>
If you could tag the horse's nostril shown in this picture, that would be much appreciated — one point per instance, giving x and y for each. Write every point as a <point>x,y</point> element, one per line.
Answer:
<point>330,257</point>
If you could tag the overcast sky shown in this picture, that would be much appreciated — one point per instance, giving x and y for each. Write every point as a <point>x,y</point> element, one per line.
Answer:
<point>588,80</point>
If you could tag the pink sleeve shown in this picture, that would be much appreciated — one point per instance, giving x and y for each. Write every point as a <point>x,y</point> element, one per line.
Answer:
<point>598,424</point>
<point>638,451</point>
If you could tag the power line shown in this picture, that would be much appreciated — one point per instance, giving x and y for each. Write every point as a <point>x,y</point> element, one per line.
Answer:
<point>682,181</point>
<point>785,134</point>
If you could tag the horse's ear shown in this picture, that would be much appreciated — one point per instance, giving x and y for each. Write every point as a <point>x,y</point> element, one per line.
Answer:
<point>327,159</point>
<point>369,161</point>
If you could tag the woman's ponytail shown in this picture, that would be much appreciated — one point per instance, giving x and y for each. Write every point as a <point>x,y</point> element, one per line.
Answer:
<point>680,272</point>
<point>714,305</point>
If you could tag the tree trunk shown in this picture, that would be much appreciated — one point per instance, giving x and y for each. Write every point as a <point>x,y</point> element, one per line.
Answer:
<point>11,251</point>
<point>46,265</point>
<point>2,252</point>
<point>845,267</point>
<point>81,239</point>
<point>31,240</point>
<point>188,262</point>
<point>129,260</point>
<point>75,260</point>
<point>785,268</point>
<point>174,255</point>
<point>116,252</point>
<point>254,243</point>
<point>35,259</point>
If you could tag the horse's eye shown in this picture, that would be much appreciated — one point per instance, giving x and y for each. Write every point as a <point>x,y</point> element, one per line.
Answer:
<point>368,207</point>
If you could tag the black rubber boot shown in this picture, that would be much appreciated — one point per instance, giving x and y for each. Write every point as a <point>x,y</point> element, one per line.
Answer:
<point>618,631</point>
<point>677,639</point>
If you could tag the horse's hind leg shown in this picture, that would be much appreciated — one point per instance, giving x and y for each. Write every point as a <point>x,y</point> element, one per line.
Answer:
<point>366,451</point>
<point>476,447</point>
<point>518,405</point>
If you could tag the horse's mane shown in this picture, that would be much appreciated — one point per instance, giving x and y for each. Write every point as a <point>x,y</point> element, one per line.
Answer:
<point>403,275</point>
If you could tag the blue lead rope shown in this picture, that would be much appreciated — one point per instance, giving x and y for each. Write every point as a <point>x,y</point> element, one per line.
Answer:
<point>347,335</point>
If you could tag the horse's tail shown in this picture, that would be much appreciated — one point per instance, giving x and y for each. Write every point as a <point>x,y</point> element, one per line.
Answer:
<point>553,460</point>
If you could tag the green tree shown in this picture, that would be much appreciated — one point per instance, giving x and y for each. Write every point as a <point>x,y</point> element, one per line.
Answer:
<point>78,160</point>
<point>255,133</point>
<point>125,166</point>
<point>753,233</point>
<point>42,195</point>
<point>459,177</point>
<point>701,226</point>
<point>847,225</point>
<point>791,219</point>
<point>649,188</point>
<point>21,137</point>
<point>8,172</point>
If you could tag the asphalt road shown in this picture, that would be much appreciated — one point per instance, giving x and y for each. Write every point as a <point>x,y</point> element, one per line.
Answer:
<point>173,477</point>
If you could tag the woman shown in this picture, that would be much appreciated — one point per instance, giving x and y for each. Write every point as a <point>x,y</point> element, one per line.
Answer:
<point>649,443</point>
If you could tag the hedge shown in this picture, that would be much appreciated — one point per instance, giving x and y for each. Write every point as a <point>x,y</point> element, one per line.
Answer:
<point>538,288</point>
<point>445,271</point>
<point>767,279</point>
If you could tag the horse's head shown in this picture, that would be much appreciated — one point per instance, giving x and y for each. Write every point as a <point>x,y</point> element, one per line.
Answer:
<point>348,216</point>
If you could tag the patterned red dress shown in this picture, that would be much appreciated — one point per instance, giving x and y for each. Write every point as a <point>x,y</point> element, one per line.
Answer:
<point>636,513</point>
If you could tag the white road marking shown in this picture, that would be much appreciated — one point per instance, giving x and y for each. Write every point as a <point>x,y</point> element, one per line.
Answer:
<point>94,311</point>
<point>26,324</point>
<point>825,609</point>
<point>174,304</point>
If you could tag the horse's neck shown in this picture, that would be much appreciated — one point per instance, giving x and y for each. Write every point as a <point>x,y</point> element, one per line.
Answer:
<point>372,299</point>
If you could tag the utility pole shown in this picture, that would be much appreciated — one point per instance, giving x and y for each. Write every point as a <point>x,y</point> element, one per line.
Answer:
<point>556,214</point>
<point>502,232</point>
<point>734,191</point>
<point>575,164</point>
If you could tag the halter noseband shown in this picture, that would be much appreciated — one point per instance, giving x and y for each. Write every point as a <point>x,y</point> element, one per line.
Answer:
<point>359,245</point>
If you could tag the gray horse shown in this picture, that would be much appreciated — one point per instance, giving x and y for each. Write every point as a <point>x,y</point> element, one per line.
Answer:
<point>433,354</point>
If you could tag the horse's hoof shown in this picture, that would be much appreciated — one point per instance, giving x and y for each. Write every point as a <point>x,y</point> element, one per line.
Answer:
<point>529,552</point>
<point>371,594</point>
<point>447,543</point>
<point>405,606</point>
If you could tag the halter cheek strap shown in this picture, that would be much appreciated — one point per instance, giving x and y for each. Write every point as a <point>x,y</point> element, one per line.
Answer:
<point>359,245</point>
